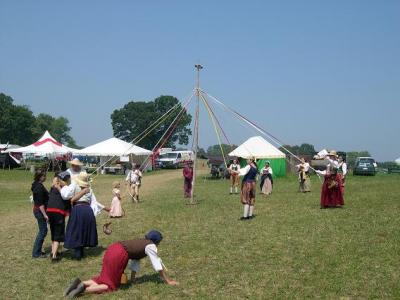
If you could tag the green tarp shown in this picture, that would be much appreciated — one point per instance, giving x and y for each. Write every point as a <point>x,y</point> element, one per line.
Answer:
<point>278,165</point>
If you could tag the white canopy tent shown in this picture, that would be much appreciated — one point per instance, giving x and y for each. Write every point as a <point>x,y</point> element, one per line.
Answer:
<point>258,148</point>
<point>397,161</point>
<point>45,146</point>
<point>113,147</point>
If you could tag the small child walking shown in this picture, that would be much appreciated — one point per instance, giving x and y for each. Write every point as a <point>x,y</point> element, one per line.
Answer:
<point>116,208</point>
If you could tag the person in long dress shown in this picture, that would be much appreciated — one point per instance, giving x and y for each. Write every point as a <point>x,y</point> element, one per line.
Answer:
<point>187,180</point>
<point>81,228</point>
<point>116,208</point>
<point>304,176</point>
<point>248,192</point>
<point>267,182</point>
<point>332,189</point>
<point>234,176</point>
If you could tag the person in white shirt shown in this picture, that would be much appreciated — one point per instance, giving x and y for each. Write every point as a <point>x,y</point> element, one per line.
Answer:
<point>116,259</point>
<point>76,167</point>
<point>234,170</point>
<point>267,182</point>
<point>342,170</point>
<point>133,180</point>
<point>304,176</point>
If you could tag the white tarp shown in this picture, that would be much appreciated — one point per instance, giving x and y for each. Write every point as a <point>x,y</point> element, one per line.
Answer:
<point>112,147</point>
<point>397,161</point>
<point>46,146</point>
<point>258,148</point>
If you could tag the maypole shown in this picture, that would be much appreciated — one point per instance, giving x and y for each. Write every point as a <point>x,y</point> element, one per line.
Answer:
<point>196,130</point>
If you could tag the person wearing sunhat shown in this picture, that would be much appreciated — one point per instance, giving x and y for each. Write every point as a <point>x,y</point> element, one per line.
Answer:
<point>76,167</point>
<point>57,210</point>
<point>248,193</point>
<point>116,259</point>
<point>304,176</point>
<point>266,179</point>
<point>332,188</point>
<point>81,229</point>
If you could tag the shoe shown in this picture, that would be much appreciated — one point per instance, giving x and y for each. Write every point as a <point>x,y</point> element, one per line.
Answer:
<point>76,292</point>
<point>243,218</point>
<point>42,255</point>
<point>55,259</point>
<point>252,217</point>
<point>74,284</point>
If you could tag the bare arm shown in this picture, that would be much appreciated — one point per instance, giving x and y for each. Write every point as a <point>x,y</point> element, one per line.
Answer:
<point>165,278</point>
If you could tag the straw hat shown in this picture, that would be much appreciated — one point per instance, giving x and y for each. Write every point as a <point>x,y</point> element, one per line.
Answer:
<point>82,179</point>
<point>76,162</point>
<point>332,153</point>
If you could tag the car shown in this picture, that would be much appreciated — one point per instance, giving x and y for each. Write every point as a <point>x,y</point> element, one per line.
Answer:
<point>365,166</point>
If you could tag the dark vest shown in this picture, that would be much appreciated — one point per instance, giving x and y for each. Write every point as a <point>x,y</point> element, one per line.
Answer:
<point>251,175</point>
<point>135,248</point>
<point>57,203</point>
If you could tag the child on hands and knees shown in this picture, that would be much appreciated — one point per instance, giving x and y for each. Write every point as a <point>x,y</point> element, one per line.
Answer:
<point>115,261</point>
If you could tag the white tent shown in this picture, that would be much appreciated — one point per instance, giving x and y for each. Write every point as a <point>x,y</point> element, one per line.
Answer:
<point>46,146</point>
<point>113,147</point>
<point>397,161</point>
<point>258,148</point>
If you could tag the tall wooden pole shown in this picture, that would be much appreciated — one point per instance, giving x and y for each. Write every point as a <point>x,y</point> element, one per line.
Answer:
<point>196,130</point>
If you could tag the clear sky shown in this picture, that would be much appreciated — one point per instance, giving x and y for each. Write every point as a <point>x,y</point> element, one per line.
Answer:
<point>322,72</point>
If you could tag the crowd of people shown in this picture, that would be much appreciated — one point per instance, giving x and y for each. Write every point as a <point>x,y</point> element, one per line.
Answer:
<point>71,196</point>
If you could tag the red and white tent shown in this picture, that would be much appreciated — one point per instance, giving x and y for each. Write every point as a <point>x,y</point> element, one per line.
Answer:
<point>45,146</point>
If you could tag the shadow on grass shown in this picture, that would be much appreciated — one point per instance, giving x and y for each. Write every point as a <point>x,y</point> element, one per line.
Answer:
<point>89,252</point>
<point>143,279</point>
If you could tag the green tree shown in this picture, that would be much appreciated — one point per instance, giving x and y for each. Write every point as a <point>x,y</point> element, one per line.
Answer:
<point>58,127</point>
<point>216,149</point>
<point>16,122</point>
<point>303,149</point>
<point>135,117</point>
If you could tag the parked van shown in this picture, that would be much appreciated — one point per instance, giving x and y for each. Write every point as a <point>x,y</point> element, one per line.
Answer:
<point>174,159</point>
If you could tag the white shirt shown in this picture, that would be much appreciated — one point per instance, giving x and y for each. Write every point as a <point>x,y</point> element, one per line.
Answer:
<point>72,173</point>
<point>237,166</point>
<point>244,171</point>
<point>344,168</point>
<point>151,252</point>
<point>133,176</point>
<point>306,166</point>
<point>68,191</point>
<point>266,170</point>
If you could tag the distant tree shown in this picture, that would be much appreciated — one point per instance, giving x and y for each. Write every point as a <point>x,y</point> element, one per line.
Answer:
<point>201,153</point>
<point>352,155</point>
<point>135,117</point>
<point>216,150</point>
<point>16,122</point>
<point>303,149</point>
<point>58,127</point>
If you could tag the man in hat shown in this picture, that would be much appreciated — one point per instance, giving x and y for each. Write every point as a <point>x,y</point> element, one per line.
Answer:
<point>76,167</point>
<point>133,179</point>
<point>115,260</point>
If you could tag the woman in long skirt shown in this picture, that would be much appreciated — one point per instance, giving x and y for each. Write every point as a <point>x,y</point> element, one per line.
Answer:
<point>266,179</point>
<point>81,229</point>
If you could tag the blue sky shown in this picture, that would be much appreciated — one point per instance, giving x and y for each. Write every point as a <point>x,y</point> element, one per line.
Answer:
<point>322,72</point>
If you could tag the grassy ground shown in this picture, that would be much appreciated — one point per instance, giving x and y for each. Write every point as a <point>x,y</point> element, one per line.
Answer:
<point>292,249</point>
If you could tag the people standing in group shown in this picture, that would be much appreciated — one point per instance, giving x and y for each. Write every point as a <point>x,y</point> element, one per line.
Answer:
<point>40,199</point>
<point>133,179</point>
<point>304,176</point>
<point>116,207</point>
<point>267,182</point>
<point>116,259</point>
<point>187,180</point>
<point>342,170</point>
<point>248,192</point>
<point>234,169</point>
<point>76,167</point>
<point>81,229</point>
<point>57,210</point>
<point>332,188</point>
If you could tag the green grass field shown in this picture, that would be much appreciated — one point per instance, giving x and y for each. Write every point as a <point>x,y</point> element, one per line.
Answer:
<point>292,249</point>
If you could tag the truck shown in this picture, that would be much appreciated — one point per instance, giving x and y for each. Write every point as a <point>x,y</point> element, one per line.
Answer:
<point>174,159</point>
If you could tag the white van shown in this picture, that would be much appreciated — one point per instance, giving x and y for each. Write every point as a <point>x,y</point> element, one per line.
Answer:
<point>175,159</point>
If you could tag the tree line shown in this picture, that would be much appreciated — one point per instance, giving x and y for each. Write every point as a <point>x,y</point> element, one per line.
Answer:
<point>18,124</point>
